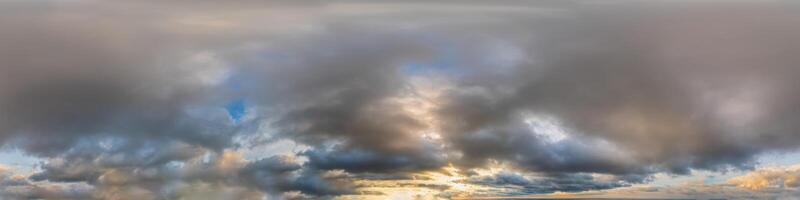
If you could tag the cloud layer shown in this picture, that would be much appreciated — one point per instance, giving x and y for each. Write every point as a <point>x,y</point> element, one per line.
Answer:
<point>128,99</point>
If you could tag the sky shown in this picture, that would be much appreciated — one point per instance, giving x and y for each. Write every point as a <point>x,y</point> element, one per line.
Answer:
<point>463,99</point>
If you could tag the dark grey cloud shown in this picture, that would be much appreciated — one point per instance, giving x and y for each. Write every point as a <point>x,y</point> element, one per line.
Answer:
<point>359,160</point>
<point>88,161</point>
<point>69,73</point>
<point>273,173</point>
<point>655,81</point>
<point>340,88</point>
<point>519,184</point>
<point>207,176</point>
<point>14,186</point>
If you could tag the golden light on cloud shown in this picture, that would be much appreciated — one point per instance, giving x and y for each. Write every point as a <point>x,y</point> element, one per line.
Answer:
<point>768,177</point>
<point>448,182</point>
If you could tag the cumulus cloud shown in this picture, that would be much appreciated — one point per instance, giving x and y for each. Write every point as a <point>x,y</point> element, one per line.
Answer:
<point>775,177</point>
<point>225,175</point>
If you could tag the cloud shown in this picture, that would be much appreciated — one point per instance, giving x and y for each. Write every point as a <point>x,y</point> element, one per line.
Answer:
<point>357,160</point>
<point>739,187</point>
<point>16,186</point>
<point>768,178</point>
<point>519,184</point>
<point>618,76</point>
<point>210,175</point>
<point>72,74</point>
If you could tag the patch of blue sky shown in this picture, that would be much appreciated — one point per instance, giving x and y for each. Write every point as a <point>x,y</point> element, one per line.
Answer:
<point>18,161</point>
<point>772,159</point>
<point>766,160</point>
<point>236,109</point>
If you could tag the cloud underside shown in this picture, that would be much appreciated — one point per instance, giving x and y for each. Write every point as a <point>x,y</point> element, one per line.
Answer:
<point>128,99</point>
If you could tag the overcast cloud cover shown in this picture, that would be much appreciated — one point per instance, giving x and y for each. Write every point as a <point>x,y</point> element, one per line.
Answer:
<point>398,100</point>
